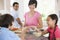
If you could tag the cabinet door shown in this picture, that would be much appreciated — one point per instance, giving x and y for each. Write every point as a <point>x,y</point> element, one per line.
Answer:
<point>8,4</point>
<point>1,4</point>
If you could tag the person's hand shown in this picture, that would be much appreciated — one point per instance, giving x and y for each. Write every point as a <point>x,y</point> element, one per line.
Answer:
<point>36,29</point>
<point>33,27</point>
<point>24,28</point>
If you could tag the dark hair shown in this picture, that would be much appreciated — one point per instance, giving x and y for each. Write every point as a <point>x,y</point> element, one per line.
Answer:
<point>33,2</point>
<point>54,17</point>
<point>6,20</point>
<point>15,3</point>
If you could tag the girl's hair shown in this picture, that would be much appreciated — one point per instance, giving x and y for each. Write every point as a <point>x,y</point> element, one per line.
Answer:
<point>33,2</point>
<point>6,20</point>
<point>54,17</point>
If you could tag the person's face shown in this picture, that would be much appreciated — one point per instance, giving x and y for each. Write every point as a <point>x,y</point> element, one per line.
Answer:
<point>32,6</point>
<point>50,22</point>
<point>16,6</point>
<point>10,26</point>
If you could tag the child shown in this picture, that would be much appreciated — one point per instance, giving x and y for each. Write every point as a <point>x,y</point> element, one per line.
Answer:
<point>53,30</point>
<point>6,21</point>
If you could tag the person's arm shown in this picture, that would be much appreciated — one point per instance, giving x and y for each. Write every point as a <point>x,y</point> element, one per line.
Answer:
<point>57,38</point>
<point>19,21</point>
<point>24,23</point>
<point>44,32</point>
<point>40,24</point>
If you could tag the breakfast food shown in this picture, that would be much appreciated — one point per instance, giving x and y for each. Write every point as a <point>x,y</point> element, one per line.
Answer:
<point>37,34</point>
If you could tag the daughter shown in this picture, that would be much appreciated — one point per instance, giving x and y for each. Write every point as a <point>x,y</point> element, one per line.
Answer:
<point>53,30</point>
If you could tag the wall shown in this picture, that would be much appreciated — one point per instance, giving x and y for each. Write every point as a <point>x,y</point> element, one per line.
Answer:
<point>1,4</point>
<point>45,7</point>
<point>4,6</point>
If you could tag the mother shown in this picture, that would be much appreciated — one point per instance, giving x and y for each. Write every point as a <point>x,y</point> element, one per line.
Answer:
<point>33,18</point>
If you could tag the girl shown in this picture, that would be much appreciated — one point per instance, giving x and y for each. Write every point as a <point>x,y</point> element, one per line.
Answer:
<point>53,30</point>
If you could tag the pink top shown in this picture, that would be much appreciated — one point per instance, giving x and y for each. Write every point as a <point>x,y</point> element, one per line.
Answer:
<point>32,21</point>
<point>57,32</point>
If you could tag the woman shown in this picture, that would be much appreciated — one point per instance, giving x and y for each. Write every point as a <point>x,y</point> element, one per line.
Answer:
<point>6,22</point>
<point>33,18</point>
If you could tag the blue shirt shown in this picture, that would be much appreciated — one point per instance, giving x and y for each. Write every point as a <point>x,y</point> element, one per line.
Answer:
<point>6,34</point>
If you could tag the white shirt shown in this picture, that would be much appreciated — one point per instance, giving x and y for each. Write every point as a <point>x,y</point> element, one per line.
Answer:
<point>15,15</point>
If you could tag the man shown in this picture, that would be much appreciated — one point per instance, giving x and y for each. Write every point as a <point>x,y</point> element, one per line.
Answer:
<point>14,13</point>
